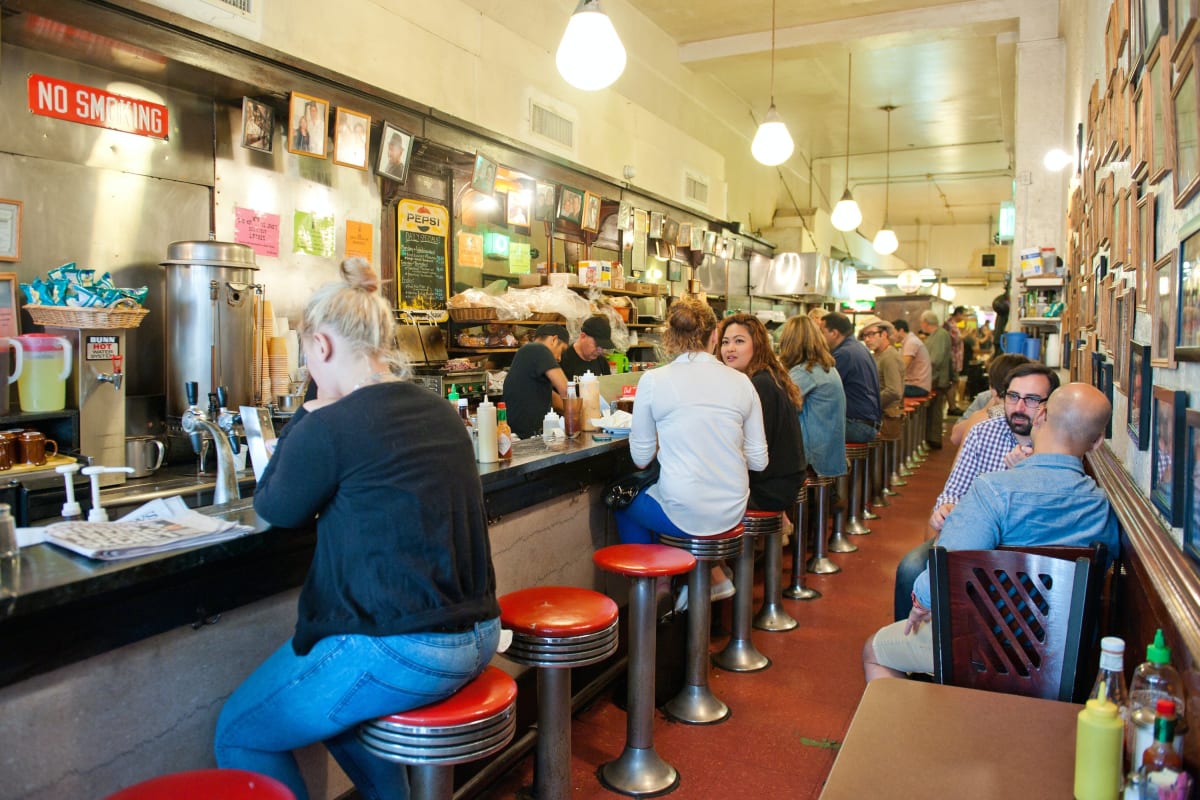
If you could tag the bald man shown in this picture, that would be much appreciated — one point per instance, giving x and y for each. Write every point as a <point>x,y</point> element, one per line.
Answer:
<point>1044,500</point>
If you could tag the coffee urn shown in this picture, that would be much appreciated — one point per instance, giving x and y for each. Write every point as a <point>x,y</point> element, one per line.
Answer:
<point>210,321</point>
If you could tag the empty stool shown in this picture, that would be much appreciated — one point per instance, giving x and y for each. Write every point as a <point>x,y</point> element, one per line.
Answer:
<point>739,653</point>
<point>695,703</point>
<point>556,628</point>
<point>798,590</point>
<point>871,480</point>
<point>206,784</point>
<point>639,771</point>
<point>818,488</point>
<point>768,525</point>
<point>473,723</point>
<point>856,454</point>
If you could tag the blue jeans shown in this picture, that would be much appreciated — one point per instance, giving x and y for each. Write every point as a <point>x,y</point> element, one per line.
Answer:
<point>860,432</point>
<point>291,701</point>
<point>643,520</point>
<point>914,391</point>
<point>911,565</point>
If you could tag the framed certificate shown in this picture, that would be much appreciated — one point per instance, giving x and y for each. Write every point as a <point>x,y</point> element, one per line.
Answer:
<point>10,230</point>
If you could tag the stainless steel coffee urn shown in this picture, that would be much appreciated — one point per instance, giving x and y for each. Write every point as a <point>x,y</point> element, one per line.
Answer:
<point>210,321</point>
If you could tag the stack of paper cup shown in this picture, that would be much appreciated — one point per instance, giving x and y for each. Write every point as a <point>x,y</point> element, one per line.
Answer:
<point>277,364</point>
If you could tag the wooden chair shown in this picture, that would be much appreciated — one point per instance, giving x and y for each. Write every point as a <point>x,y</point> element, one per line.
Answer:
<point>1014,621</point>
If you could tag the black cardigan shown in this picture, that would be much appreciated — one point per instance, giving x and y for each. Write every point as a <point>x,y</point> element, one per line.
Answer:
<point>775,488</point>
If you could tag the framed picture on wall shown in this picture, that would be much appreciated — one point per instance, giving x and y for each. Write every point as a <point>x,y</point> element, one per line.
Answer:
<point>1184,15</point>
<point>1106,386</point>
<point>1167,463</point>
<point>395,150</point>
<point>1138,161</point>
<point>1157,83</point>
<point>351,139</point>
<point>1185,98</point>
<point>1187,323</point>
<point>543,206</point>
<point>684,237</point>
<point>1163,285</point>
<point>1148,243</point>
<point>308,125</point>
<point>1191,494</point>
<point>483,174</point>
<point>1154,16</point>
<point>10,229</point>
<point>570,204</point>
<point>1138,416</point>
<point>671,231</point>
<point>657,221</point>
<point>258,125</point>
<point>1120,296</point>
<point>591,212</point>
<point>10,325</point>
<point>519,209</point>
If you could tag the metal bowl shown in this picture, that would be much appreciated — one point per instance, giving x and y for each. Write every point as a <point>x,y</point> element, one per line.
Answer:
<point>217,254</point>
<point>288,403</point>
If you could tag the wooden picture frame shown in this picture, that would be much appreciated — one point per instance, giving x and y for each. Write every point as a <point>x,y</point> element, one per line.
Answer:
<point>483,174</point>
<point>1187,322</point>
<point>258,125</point>
<point>1138,391</point>
<point>1191,494</point>
<point>684,237</point>
<point>544,202</point>
<point>351,139</point>
<point>10,319</point>
<point>1154,18</point>
<point>591,212</point>
<point>1166,448</point>
<point>308,125</point>
<point>1185,101</point>
<point>657,222</point>
<point>1120,336</point>
<point>570,204</point>
<point>1106,386</point>
<point>1157,85</point>
<point>1163,290</point>
<point>518,211</point>
<point>11,212</point>
<point>1185,21</point>
<point>671,231</point>
<point>1139,161</point>
<point>1146,261</point>
<point>395,153</point>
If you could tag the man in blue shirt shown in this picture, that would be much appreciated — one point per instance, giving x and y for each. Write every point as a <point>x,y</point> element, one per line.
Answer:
<point>1045,499</point>
<point>860,378</point>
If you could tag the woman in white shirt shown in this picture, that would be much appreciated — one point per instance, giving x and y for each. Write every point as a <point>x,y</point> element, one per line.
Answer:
<point>703,421</point>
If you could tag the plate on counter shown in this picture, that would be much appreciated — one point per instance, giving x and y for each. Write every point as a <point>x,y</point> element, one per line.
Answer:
<point>617,431</point>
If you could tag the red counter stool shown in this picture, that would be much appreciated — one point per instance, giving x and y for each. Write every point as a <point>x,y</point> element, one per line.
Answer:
<point>695,704</point>
<point>839,542</point>
<point>556,628</point>
<point>891,463</point>
<point>640,772</point>
<point>856,454</point>
<point>768,525</point>
<point>473,723</point>
<point>206,784</point>
<point>876,482</point>
<point>912,425</point>
<point>797,589</point>
<point>922,447</point>
<point>739,653</point>
<point>821,564</point>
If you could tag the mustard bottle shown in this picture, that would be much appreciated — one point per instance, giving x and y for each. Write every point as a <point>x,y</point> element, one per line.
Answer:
<point>1099,735</point>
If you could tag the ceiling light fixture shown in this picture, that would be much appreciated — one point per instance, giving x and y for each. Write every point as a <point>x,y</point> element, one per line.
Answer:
<point>772,143</point>
<point>885,241</point>
<point>1057,160</point>
<point>590,55</point>
<point>846,214</point>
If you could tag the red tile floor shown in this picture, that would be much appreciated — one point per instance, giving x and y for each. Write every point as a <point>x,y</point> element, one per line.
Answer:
<point>787,720</point>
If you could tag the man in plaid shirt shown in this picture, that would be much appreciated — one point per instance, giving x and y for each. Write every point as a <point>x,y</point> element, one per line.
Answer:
<point>992,445</point>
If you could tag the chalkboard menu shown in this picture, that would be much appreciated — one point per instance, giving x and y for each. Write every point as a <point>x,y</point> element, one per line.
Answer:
<point>423,230</point>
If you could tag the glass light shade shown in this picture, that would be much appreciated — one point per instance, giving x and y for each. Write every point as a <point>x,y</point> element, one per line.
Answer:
<point>772,144</point>
<point>908,281</point>
<point>590,55</point>
<point>885,241</point>
<point>946,292</point>
<point>1056,160</point>
<point>846,214</point>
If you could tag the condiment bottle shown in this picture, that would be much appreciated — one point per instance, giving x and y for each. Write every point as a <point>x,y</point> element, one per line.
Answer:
<point>1098,736</point>
<point>453,395</point>
<point>485,417</point>
<point>464,411</point>
<point>1153,680</point>
<point>1162,754</point>
<point>503,433</point>
<point>10,555</point>
<point>1110,680</point>
<point>550,423</point>
<point>589,390</point>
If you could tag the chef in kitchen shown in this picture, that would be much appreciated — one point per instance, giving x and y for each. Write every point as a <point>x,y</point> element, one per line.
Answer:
<point>535,380</point>
<point>591,348</point>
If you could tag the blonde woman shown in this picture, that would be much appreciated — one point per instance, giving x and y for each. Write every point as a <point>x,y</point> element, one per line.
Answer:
<point>399,606</point>
<point>805,353</point>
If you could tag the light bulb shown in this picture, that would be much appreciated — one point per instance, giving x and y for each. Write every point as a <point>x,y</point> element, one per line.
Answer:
<point>908,281</point>
<point>772,144</point>
<point>1056,160</point>
<point>846,214</point>
<point>885,241</point>
<point>590,55</point>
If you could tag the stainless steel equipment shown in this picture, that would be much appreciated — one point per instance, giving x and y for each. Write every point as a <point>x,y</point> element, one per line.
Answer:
<point>210,321</point>
<point>798,273</point>
<point>138,458</point>
<point>96,386</point>
<point>436,378</point>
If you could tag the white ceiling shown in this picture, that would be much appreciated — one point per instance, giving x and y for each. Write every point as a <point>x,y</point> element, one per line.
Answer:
<point>948,68</point>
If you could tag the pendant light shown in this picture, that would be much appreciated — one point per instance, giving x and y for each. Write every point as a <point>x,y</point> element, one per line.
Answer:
<point>590,55</point>
<point>772,143</point>
<point>885,241</point>
<point>846,214</point>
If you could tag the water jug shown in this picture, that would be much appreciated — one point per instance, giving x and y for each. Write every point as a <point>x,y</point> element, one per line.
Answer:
<point>42,384</point>
<point>5,344</point>
<point>1033,348</point>
<point>1013,342</point>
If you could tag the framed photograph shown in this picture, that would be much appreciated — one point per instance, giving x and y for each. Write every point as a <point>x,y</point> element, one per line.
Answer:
<point>1154,15</point>
<point>1106,386</point>
<point>671,231</point>
<point>697,243</point>
<point>684,239</point>
<point>483,175</point>
<point>625,216</point>
<point>591,212</point>
<point>395,150</point>
<point>351,135</point>
<point>657,221</point>
<point>1162,312</point>
<point>10,229</point>
<point>1117,348</point>
<point>1185,98</point>
<point>258,125</point>
<point>570,204</point>
<point>1191,495</point>
<point>674,270</point>
<point>1146,220</point>
<point>543,205</point>
<point>1138,416</point>
<point>1157,84</point>
<point>10,324</point>
<point>1184,15</point>
<point>1166,453</point>
<point>1187,323</point>
<point>519,209</point>
<point>1129,315</point>
<point>1097,372</point>
<point>308,125</point>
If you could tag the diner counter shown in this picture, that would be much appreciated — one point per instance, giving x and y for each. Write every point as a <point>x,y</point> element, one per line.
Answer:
<point>69,607</point>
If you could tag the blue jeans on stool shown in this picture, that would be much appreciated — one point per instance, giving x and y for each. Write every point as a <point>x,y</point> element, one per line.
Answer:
<point>291,701</point>
<point>643,520</point>
<point>913,564</point>
<point>858,432</point>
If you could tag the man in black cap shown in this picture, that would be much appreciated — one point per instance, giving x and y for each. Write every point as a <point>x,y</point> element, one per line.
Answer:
<point>535,380</point>
<point>590,350</point>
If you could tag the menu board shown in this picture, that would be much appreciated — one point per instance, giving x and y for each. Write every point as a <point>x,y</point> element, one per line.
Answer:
<point>422,232</point>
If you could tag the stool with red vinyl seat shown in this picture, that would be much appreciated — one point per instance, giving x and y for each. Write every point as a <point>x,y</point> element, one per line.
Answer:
<point>876,483</point>
<point>206,784</point>
<point>856,454</point>
<point>818,487</point>
<point>695,704</point>
<point>639,771</point>
<point>739,653</point>
<point>912,430</point>
<point>798,590</point>
<point>555,628</point>
<point>768,525</point>
<point>473,723</point>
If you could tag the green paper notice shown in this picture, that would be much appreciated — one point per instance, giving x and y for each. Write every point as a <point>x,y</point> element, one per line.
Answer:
<point>518,258</point>
<point>314,235</point>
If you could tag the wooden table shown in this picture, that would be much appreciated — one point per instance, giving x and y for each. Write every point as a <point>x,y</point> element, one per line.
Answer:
<point>910,739</point>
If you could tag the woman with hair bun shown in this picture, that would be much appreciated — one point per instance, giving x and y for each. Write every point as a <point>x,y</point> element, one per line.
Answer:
<point>399,606</point>
<point>704,423</point>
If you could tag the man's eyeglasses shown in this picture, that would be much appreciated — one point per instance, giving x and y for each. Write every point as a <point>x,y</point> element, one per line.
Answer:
<point>873,332</point>
<point>1032,401</point>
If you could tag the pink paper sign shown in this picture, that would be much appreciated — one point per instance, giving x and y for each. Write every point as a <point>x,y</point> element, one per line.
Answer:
<point>260,231</point>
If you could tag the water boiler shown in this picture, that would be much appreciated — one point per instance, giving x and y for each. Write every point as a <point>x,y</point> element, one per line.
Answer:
<point>210,321</point>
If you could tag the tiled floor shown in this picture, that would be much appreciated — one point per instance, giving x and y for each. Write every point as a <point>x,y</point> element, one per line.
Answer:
<point>787,720</point>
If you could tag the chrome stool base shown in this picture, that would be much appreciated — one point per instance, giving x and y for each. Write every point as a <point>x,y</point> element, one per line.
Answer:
<point>696,705</point>
<point>823,566</point>
<point>639,772</point>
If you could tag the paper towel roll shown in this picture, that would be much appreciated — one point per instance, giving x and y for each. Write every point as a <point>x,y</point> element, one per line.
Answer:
<point>1053,355</point>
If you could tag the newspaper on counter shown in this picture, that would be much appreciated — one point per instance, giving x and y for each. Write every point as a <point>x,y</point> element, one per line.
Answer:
<point>157,527</point>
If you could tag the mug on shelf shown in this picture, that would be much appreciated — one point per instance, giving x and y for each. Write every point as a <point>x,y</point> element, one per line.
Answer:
<point>33,446</point>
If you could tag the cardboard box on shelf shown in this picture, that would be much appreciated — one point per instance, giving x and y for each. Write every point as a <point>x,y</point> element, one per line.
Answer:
<point>1031,262</point>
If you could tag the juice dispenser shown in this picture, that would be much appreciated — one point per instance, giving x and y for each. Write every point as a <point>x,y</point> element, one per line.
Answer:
<point>41,385</point>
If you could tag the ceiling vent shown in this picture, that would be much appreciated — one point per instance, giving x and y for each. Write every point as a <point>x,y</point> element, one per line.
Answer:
<point>695,188</point>
<point>240,17</point>
<point>551,124</point>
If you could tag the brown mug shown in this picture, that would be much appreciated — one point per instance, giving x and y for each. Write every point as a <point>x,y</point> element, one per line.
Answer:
<point>8,450</point>
<point>33,447</point>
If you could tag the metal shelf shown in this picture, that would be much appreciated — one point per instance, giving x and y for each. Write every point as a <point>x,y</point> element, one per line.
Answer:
<point>1041,322</point>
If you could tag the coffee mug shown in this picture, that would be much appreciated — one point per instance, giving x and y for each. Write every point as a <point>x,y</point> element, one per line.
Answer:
<point>33,446</point>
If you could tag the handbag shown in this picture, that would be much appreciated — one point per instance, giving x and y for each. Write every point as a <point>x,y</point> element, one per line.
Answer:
<point>622,491</point>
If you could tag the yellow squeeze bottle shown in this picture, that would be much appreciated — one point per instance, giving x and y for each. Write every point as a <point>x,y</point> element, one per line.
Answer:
<point>1099,737</point>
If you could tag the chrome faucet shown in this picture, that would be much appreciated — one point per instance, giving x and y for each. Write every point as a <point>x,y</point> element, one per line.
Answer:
<point>196,422</point>
<point>116,376</point>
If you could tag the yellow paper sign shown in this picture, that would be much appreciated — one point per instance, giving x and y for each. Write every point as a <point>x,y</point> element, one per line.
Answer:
<point>359,237</point>
<point>470,250</point>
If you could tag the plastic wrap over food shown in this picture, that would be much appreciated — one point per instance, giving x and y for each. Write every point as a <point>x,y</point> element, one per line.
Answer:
<point>551,300</point>
<point>485,298</point>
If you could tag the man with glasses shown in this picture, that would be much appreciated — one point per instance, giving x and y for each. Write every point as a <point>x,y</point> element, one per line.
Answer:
<point>588,352</point>
<point>992,445</point>
<point>876,335</point>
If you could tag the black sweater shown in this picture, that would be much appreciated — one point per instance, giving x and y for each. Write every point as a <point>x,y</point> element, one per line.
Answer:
<point>776,487</point>
<point>388,473</point>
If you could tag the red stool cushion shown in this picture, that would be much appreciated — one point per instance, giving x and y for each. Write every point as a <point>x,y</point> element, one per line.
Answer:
<point>557,611</point>
<point>489,694</point>
<point>856,449</point>
<point>206,784</point>
<point>756,514</point>
<point>643,560</point>
<point>911,404</point>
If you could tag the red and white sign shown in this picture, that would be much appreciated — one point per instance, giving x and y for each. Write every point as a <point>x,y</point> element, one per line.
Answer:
<point>74,102</point>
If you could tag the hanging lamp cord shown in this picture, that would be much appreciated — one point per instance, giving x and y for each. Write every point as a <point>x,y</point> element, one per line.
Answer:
<point>887,185</point>
<point>849,83</point>
<point>772,52</point>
